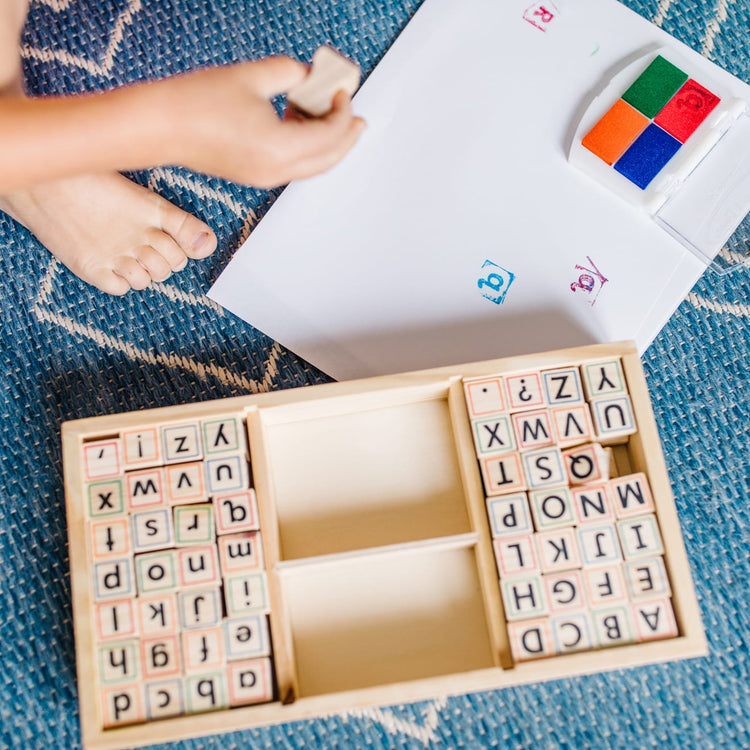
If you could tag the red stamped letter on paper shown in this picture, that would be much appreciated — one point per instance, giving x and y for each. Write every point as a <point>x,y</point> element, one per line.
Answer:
<point>540,14</point>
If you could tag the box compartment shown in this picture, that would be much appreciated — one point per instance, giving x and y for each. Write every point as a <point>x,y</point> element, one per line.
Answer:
<point>370,620</point>
<point>356,478</point>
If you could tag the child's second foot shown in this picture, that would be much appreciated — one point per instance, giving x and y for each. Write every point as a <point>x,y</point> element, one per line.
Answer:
<point>110,231</point>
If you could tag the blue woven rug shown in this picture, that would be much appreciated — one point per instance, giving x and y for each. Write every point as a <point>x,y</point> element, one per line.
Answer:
<point>69,351</point>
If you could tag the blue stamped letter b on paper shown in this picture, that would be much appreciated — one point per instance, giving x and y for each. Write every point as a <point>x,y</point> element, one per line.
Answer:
<point>495,282</point>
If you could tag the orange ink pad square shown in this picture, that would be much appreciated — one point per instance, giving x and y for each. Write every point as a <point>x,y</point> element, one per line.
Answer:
<point>616,130</point>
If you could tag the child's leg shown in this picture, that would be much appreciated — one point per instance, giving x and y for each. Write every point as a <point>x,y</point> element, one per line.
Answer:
<point>12,18</point>
<point>114,234</point>
<point>109,231</point>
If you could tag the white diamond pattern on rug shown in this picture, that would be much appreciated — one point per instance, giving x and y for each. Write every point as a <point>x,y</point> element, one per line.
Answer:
<point>101,67</point>
<point>396,725</point>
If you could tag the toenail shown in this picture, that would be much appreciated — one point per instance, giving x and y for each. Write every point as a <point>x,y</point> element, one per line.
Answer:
<point>200,241</point>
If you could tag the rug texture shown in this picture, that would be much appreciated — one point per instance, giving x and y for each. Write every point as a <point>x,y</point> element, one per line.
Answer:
<point>69,352</point>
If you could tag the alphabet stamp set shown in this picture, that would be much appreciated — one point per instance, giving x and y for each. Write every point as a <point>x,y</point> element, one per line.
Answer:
<point>179,588</point>
<point>577,543</point>
<point>285,555</point>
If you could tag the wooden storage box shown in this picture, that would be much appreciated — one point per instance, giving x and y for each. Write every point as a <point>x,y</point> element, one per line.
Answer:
<point>286,555</point>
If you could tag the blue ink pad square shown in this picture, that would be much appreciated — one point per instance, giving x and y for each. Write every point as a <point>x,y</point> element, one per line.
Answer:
<point>648,154</point>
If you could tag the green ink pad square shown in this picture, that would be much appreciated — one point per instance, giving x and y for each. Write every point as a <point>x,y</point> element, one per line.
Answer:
<point>655,87</point>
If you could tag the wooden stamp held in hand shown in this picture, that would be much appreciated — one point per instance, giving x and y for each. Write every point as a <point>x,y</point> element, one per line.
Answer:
<point>330,73</point>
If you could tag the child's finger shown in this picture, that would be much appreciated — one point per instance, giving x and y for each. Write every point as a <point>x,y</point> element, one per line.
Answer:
<point>274,75</point>
<point>323,159</point>
<point>341,108</point>
<point>309,138</point>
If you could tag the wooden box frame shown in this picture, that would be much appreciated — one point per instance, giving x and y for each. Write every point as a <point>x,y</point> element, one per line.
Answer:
<point>423,412</point>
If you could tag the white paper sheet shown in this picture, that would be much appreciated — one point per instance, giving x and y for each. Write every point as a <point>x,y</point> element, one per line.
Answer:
<point>393,260</point>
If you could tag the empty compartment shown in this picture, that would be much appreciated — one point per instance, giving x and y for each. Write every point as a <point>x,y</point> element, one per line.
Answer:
<point>358,478</point>
<point>374,620</point>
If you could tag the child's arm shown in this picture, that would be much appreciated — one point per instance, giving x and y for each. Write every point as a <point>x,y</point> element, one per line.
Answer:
<point>218,121</point>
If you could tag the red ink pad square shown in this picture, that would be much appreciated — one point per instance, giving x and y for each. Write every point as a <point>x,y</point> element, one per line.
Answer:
<point>686,110</point>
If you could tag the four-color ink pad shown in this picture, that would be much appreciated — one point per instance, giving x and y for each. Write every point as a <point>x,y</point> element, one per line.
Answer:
<point>671,141</point>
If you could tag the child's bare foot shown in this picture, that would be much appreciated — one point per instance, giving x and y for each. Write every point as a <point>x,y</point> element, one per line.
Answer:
<point>110,231</point>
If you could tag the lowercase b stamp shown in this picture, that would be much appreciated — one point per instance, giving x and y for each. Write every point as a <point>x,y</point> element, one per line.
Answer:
<point>494,282</point>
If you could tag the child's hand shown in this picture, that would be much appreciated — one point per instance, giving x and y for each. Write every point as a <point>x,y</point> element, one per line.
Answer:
<point>224,124</point>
